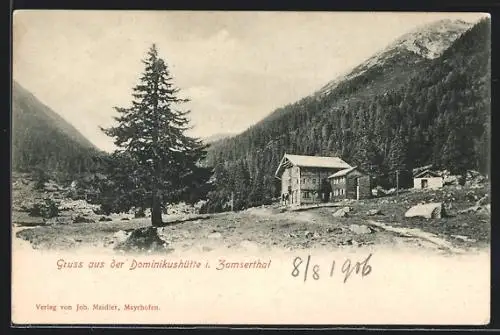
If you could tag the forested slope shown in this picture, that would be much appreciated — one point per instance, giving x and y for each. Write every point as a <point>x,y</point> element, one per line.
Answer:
<point>43,140</point>
<point>434,111</point>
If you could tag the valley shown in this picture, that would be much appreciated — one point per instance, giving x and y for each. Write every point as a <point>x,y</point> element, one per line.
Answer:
<point>422,100</point>
<point>372,223</point>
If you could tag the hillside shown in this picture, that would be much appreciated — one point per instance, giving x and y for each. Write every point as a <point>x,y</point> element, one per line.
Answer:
<point>405,54</point>
<point>410,109</point>
<point>43,140</point>
<point>217,137</point>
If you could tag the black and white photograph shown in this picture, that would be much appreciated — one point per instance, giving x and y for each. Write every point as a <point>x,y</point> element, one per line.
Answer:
<point>160,144</point>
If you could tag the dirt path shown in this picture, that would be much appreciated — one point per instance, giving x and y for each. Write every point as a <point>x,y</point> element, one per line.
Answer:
<point>250,230</point>
<point>418,233</point>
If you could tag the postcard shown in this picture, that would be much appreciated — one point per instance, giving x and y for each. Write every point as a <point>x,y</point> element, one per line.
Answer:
<point>250,168</point>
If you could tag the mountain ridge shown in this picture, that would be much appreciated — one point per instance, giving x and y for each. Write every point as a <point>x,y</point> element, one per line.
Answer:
<point>70,130</point>
<point>43,140</point>
<point>417,41</point>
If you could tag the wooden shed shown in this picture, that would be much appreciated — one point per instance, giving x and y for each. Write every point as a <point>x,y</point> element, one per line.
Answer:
<point>427,179</point>
<point>351,183</point>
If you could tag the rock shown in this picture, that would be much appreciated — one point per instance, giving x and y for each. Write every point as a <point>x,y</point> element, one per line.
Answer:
<point>473,178</point>
<point>249,245</point>
<point>215,235</point>
<point>82,219</point>
<point>142,240</point>
<point>121,235</point>
<point>434,210</point>
<point>105,218</point>
<point>374,212</point>
<point>51,187</point>
<point>463,238</point>
<point>471,196</point>
<point>334,230</point>
<point>341,213</point>
<point>451,180</point>
<point>350,242</point>
<point>360,229</point>
<point>483,201</point>
<point>125,219</point>
<point>206,249</point>
<point>470,210</point>
<point>486,209</point>
<point>308,234</point>
<point>390,191</point>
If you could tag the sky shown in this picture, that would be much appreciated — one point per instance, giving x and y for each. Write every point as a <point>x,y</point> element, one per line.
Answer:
<point>236,67</point>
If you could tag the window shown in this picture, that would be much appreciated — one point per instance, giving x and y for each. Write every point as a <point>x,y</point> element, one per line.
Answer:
<point>306,195</point>
<point>314,181</point>
<point>303,180</point>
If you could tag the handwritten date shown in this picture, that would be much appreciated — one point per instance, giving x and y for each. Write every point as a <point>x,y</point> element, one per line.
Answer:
<point>348,268</point>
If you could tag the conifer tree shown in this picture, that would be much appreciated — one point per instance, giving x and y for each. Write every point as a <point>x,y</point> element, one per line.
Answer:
<point>151,133</point>
<point>397,159</point>
<point>365,154</point>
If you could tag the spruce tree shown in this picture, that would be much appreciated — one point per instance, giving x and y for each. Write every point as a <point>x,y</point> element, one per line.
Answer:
<point>397,159</point>
<point>151,133</point>
<point>365,154</point>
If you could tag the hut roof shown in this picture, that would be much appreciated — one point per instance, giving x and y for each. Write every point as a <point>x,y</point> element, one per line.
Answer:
<point>311,161</point>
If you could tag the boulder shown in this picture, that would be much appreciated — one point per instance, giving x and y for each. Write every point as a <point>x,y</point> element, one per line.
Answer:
<point>470,210</point>
<point>141,240</point>
<point>51,187</point>
<point>249,245</point>
<point>215,235</point>
<point>433,210</point>
<point>105,218</point>
<point>463,238</point>
<point>372,212</point>
<point>471,196</point>
<point>360,229</point>
<point>483,201</point>
<point>342,212</point>
<point>451,180</point>
<point>473,178</point>
<point>390,191</point>
<point>121,235</point>
<point>486,209</point>
<point>82,219</point>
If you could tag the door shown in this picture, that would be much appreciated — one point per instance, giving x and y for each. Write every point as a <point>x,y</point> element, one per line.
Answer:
<point>357,188</point>
<point>424,183</point>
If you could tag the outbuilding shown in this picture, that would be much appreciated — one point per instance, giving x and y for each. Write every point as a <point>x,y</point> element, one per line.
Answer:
<point>350,183</point>
<point>427,179</point>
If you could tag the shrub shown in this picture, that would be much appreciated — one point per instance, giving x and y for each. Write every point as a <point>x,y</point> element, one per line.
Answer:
<point>82,219</point>
<point>48,209</point>
<point>140,213</point>
<point>41,178</point>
